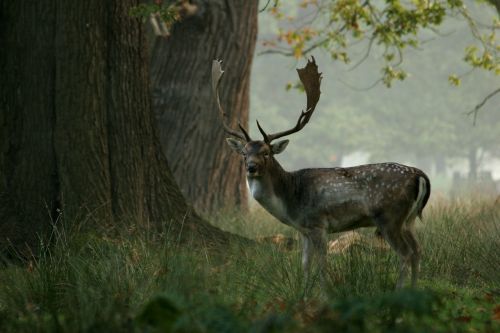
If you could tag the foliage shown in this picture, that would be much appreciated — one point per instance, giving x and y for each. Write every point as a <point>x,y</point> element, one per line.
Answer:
<point>417,123</point>
<point>169,13</point>
<point>132,280</point>
<point>402,311</point>
<point>392,25</point>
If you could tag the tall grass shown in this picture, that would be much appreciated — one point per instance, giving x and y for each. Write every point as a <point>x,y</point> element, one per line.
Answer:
<point>461,240</point>
<point>129,280</point>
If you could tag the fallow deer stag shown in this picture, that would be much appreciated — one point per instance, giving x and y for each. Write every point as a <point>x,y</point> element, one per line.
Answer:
<point>388,196</point>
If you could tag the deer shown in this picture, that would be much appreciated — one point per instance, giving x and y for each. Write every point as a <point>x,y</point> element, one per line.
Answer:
<point>318,201</point>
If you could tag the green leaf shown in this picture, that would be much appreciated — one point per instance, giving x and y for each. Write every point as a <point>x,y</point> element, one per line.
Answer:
<point>454,80</point>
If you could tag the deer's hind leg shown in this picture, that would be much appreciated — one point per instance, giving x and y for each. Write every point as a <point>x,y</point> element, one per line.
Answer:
<point>398,242</point>
<point>411,239</point>
<point>394,235</point>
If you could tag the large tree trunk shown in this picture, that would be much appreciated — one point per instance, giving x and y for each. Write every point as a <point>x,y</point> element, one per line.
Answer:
<point>77,132</point>
<point>208,173</point>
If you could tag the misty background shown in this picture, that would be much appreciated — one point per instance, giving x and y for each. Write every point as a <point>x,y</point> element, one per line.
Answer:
<point>421,121</point>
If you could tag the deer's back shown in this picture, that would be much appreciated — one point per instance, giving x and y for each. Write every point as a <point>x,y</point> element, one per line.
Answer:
<point>347,198</point>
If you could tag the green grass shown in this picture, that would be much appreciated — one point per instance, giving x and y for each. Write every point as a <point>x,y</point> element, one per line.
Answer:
<point>126,280</point>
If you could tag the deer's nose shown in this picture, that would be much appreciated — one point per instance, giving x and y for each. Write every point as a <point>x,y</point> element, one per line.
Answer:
<point>252,168</point>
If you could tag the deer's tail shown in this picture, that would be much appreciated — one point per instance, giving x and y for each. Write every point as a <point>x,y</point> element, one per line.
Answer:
<point>424,192</point>
<point>421,197</point>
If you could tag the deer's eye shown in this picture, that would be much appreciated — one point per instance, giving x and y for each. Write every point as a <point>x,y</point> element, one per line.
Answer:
<point>266,155</point>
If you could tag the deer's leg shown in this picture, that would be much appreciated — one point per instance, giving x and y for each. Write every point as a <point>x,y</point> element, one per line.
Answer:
<point>394,236</point>
<point>314,250</point>
<point>412,241</point>
<point>319,244</point>
<point>306,256</point>
<point>403,271</point>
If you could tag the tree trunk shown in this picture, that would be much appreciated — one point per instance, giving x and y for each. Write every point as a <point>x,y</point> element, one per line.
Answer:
<point>473,164</point>
<point>339,158</point>
<point>77,133</point>
<point>208,173</point>
<point>440,164</point>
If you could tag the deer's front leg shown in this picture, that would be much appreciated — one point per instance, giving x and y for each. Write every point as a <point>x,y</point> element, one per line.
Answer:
<point>319,243</point>
<point>306,256</point>
<point>314,249</point>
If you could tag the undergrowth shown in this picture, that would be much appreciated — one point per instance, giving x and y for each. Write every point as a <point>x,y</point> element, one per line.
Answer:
<point>135,281</point>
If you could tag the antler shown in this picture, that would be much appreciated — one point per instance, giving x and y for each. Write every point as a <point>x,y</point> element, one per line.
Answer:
<point>217,73</point>
<point>311,80</point>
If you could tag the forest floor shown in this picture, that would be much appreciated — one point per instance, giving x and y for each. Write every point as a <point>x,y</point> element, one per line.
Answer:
<point>133,280</point>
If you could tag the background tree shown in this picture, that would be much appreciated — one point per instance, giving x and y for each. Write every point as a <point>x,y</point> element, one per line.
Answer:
<point>77,135</point>
<point>208,173</point>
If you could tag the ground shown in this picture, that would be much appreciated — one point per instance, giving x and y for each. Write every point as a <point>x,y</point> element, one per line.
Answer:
<point>137,280</point>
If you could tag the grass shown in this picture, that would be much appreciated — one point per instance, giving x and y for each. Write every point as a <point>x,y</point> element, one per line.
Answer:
<point>131,281</point>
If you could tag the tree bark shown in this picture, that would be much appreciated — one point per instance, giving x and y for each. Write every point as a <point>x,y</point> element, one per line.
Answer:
<point>208,173</point>
<point>77,134</point>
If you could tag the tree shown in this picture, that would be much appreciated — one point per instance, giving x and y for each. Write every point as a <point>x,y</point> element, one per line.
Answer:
<point>209,174</point>
<point>77,135</point>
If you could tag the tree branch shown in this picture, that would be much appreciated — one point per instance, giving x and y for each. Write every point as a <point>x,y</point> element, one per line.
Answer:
<point>265,7</point>
<point>365,56</point>
<point>290,53</point>
<point>480,105</point>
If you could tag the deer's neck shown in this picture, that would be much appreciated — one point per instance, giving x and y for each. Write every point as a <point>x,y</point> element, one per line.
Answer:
<point>271,188</point>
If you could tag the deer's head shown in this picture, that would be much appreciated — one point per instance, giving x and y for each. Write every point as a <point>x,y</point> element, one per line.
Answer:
<point>258,154</point>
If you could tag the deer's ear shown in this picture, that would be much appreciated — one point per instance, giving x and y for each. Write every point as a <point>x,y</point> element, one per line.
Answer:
<point>279,146</point>
<point>235,145</point>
